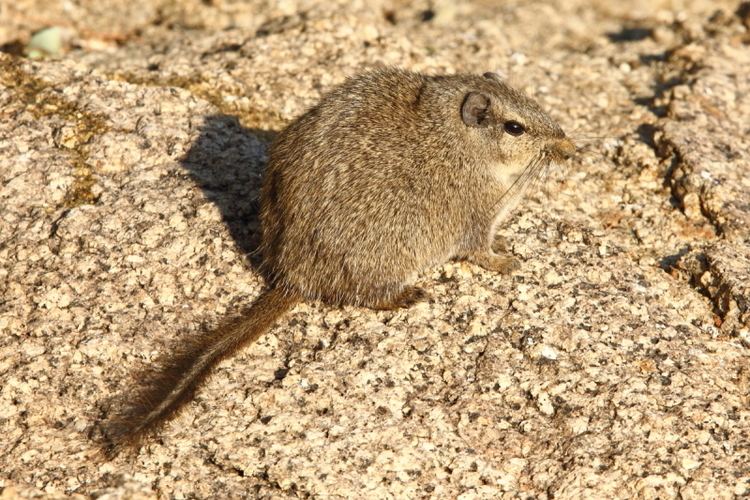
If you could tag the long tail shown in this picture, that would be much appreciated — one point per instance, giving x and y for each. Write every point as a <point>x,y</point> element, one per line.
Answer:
<point>162,390</point>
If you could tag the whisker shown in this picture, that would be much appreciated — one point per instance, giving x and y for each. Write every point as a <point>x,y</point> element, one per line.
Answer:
<point>593,138</point>
<point>575,133</point>
<point>528,172</point>
<point>517,188</point>
<point>581,135</point>
<point>589,146</point>
<point>541,177</point>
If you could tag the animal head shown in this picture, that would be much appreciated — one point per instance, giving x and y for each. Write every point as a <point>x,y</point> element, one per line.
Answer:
<point>508,131</point>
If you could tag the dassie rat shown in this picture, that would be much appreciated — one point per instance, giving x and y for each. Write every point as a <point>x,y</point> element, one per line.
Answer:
<point>393,172</point>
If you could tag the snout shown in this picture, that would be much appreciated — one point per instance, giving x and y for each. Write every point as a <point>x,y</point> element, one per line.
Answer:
<point>563,148</point>
<point>566,148</point>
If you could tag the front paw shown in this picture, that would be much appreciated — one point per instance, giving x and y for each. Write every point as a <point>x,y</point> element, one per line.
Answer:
<point>504,264</point>
<point>500,245</point>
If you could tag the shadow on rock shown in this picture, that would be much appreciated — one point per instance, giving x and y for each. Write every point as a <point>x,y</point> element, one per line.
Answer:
<point>227,162</point>
<point>630,34</point>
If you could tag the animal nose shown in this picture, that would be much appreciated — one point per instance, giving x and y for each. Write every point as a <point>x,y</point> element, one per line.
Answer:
<point>565,147</point>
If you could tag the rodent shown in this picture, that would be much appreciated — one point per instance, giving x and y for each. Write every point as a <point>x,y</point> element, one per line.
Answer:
<point>391,173</point>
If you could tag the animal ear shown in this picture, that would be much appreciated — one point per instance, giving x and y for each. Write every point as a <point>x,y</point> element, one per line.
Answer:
<point>475,111</point>
<point>493,76</point>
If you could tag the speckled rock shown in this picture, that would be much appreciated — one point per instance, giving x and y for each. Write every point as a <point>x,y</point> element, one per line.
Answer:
<point>613,364</point>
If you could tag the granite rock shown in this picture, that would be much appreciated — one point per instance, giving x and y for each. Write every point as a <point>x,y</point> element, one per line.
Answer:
<point>613,364</point>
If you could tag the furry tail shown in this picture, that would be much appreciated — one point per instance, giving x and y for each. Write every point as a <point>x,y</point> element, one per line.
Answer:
<point>165,388</point>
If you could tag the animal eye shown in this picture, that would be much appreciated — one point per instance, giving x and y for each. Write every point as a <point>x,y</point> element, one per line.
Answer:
<point>514,128</point>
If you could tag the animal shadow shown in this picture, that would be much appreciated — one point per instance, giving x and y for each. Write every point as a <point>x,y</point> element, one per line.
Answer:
<point>227,162</point>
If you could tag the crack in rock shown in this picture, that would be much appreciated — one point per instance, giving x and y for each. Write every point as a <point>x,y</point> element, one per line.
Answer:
<point>720,272</point>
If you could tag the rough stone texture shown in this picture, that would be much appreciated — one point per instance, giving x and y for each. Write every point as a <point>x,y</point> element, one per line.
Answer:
<point>614,364</point>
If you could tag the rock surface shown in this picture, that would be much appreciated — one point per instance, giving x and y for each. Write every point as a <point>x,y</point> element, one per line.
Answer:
<point>614,364</point>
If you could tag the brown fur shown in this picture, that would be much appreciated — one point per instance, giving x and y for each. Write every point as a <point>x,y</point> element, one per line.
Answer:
<point>392,173</point>
<point>165,388</point>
